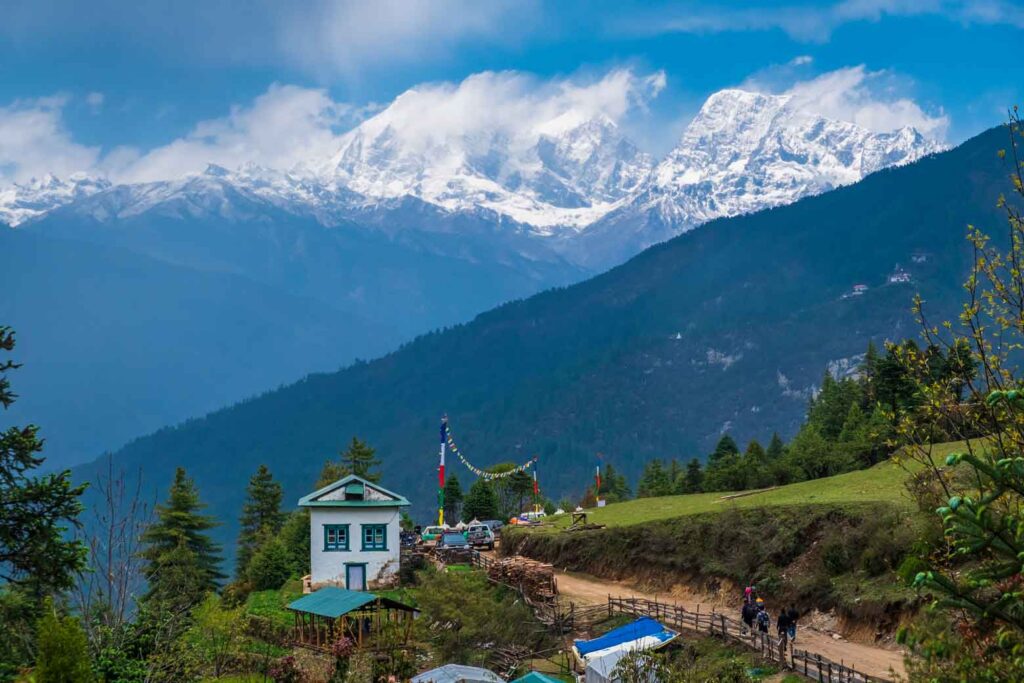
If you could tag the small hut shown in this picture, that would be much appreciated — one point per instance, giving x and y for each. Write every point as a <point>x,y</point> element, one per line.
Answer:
<point>329,613</point>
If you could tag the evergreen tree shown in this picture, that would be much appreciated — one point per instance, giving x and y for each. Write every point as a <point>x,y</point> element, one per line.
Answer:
<point>654,481</point>
<point>481,501</point>
<point>261,516</point>
<point>815,457</point>
<point>63,655</point>
<point>295,536</point>
<point>452,498</point>
<point>756,466</point>
<point>726,446</point>
<point>776,448</point>
<point>614,487</point>
<point>177,542</point>
<point>271,566</point>
<point>727,473</point>
<point>693,480</point>
<point>359,460</point>
<point>331,472</point>
<point>869,374</point>
<point>35,511</point>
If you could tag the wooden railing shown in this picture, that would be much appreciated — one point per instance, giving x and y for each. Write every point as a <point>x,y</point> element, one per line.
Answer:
<point>809,664</point>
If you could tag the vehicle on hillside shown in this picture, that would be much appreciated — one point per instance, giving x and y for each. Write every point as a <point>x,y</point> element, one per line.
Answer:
<point>432,533</point>
<point>453,540</point>
<point>480,535</point>
<point>494,525</point>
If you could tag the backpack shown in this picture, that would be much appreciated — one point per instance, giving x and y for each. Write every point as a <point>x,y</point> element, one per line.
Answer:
<point>762,619</point>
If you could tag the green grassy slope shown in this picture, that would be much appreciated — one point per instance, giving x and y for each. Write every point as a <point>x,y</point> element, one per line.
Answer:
<point>883,483</point>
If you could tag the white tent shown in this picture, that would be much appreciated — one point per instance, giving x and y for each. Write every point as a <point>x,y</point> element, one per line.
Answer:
<point>601,665</point>
<point>458,673</point>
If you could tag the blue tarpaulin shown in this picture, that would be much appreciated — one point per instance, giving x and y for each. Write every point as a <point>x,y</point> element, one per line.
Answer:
<point>641,628</point>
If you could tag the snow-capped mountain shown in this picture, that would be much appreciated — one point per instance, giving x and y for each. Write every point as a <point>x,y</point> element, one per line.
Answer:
<point>743,152</point>
<point>23,201</point>
<point>567,184</point>
<point>748,151</point>
<point>564,172</point>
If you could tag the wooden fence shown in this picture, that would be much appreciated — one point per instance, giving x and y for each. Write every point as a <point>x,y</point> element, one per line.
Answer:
<point>807,663</point>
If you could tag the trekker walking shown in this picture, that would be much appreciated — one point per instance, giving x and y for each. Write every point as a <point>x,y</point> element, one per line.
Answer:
<point>782,628</point>
<point>792,616</point>
<point>748,614</point>
<point>763,620</point>
<point>749,593</point>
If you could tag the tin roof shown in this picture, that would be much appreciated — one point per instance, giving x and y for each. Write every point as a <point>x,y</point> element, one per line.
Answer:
<point>349,484</point>
<point>332,602</point>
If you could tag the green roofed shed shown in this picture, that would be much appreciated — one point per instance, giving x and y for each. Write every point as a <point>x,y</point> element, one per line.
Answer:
<point>332,602</point>
<point>331,611</point>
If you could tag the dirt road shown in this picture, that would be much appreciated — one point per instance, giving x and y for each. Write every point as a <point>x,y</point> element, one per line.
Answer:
<point>871,659</point>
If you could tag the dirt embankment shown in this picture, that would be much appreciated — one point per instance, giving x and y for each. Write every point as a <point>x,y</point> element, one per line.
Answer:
<point>840,564</point>
<point>816,633</point>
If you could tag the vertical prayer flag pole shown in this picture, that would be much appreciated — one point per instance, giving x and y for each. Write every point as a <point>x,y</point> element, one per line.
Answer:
<point>440,473</point>
<point>597,482</point>
<point>536,487</point>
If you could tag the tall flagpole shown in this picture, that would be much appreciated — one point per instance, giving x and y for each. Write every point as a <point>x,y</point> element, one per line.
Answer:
<point>440,473</point>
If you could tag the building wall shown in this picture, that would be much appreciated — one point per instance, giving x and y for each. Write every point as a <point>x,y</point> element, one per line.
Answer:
<point>328,567</point>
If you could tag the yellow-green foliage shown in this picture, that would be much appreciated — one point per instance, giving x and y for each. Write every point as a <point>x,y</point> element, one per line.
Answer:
<point>63,650</point>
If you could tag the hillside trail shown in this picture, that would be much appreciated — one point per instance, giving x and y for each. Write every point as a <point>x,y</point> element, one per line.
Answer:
<point>875,660</point>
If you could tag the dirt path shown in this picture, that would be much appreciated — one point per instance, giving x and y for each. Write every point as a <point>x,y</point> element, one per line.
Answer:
<point>871,659</point>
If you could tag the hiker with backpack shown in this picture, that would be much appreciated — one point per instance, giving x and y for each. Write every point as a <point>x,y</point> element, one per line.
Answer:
<point>762,619</point>
<point>749,593</point>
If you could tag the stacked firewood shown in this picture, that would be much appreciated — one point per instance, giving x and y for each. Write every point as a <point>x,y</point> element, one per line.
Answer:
<point>536,579</point>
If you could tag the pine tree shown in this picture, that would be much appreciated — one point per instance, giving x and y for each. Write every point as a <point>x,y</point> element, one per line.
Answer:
<point>271,565</point>
<point>725,446</point>
<point>452,497</point>
<point>261,516</point>
<point>692,481</point>
<point>177,543</point>
<point>359,460</point>
<point>755,464</point>
<point>481,501</point>
<point>654,481</point>
<point>614,487</point>
<point>36,511</point>
<point>776,448</point>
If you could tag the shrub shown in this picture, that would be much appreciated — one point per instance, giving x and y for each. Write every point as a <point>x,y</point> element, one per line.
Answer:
<point>63,649</point>
<point>285,670</point>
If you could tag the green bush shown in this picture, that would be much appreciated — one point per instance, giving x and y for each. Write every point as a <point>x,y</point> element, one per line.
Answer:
<point>63,649</point>
<point>270,567</point>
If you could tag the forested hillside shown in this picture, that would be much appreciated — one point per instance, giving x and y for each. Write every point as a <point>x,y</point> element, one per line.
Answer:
<point>725,329</point>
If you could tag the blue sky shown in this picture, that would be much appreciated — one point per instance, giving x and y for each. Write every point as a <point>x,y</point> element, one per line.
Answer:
<point>105,83</point>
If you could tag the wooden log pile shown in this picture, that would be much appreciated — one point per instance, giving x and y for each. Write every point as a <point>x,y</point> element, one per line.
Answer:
<point>535,579</point>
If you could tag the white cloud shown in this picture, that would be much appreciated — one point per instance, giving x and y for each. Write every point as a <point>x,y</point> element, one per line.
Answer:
<point>875,100</point>
<point>816,22</point>
<point>511,104</point>
<point>283,127</point>
<point>801,60</point>
<point>34,141</point>
<point>349,36</point>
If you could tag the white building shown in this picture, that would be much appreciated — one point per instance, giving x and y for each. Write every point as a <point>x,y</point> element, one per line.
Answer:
<point>354,534</point>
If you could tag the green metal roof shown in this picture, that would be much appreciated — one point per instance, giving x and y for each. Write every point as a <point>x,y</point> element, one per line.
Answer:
<point>311,499</point>
<point>332,602</point>
<point>536,677</point>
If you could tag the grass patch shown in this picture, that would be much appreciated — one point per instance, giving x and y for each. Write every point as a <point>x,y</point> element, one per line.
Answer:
<point>273,604</point>
<point>883,483</point>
